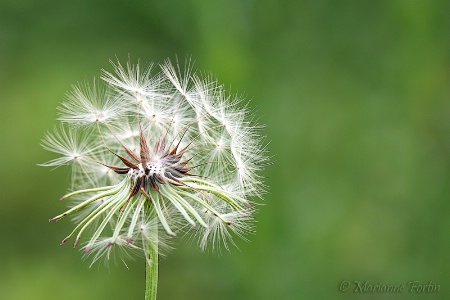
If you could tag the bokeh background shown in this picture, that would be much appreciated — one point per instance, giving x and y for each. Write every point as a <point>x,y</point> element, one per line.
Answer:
<point>356,99</point>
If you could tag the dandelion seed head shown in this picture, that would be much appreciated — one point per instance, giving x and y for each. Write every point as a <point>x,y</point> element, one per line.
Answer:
<point>153,153</point>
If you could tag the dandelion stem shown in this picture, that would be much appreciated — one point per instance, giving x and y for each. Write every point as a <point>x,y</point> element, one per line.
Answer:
<point>151,266</point>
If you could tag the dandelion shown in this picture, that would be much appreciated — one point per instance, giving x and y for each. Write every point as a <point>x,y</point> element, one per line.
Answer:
<point>155,155</point>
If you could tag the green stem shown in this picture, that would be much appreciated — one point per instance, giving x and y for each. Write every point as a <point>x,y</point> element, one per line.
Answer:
<point>151,267</point>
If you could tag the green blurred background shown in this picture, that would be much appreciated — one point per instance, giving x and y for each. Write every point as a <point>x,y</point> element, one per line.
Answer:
<point>356,98</point>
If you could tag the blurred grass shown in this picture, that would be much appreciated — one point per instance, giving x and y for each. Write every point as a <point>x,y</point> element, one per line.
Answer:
<point>356,98</point>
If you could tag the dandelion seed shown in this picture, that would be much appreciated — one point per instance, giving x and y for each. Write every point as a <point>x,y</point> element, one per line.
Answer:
<point>154,154</point>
